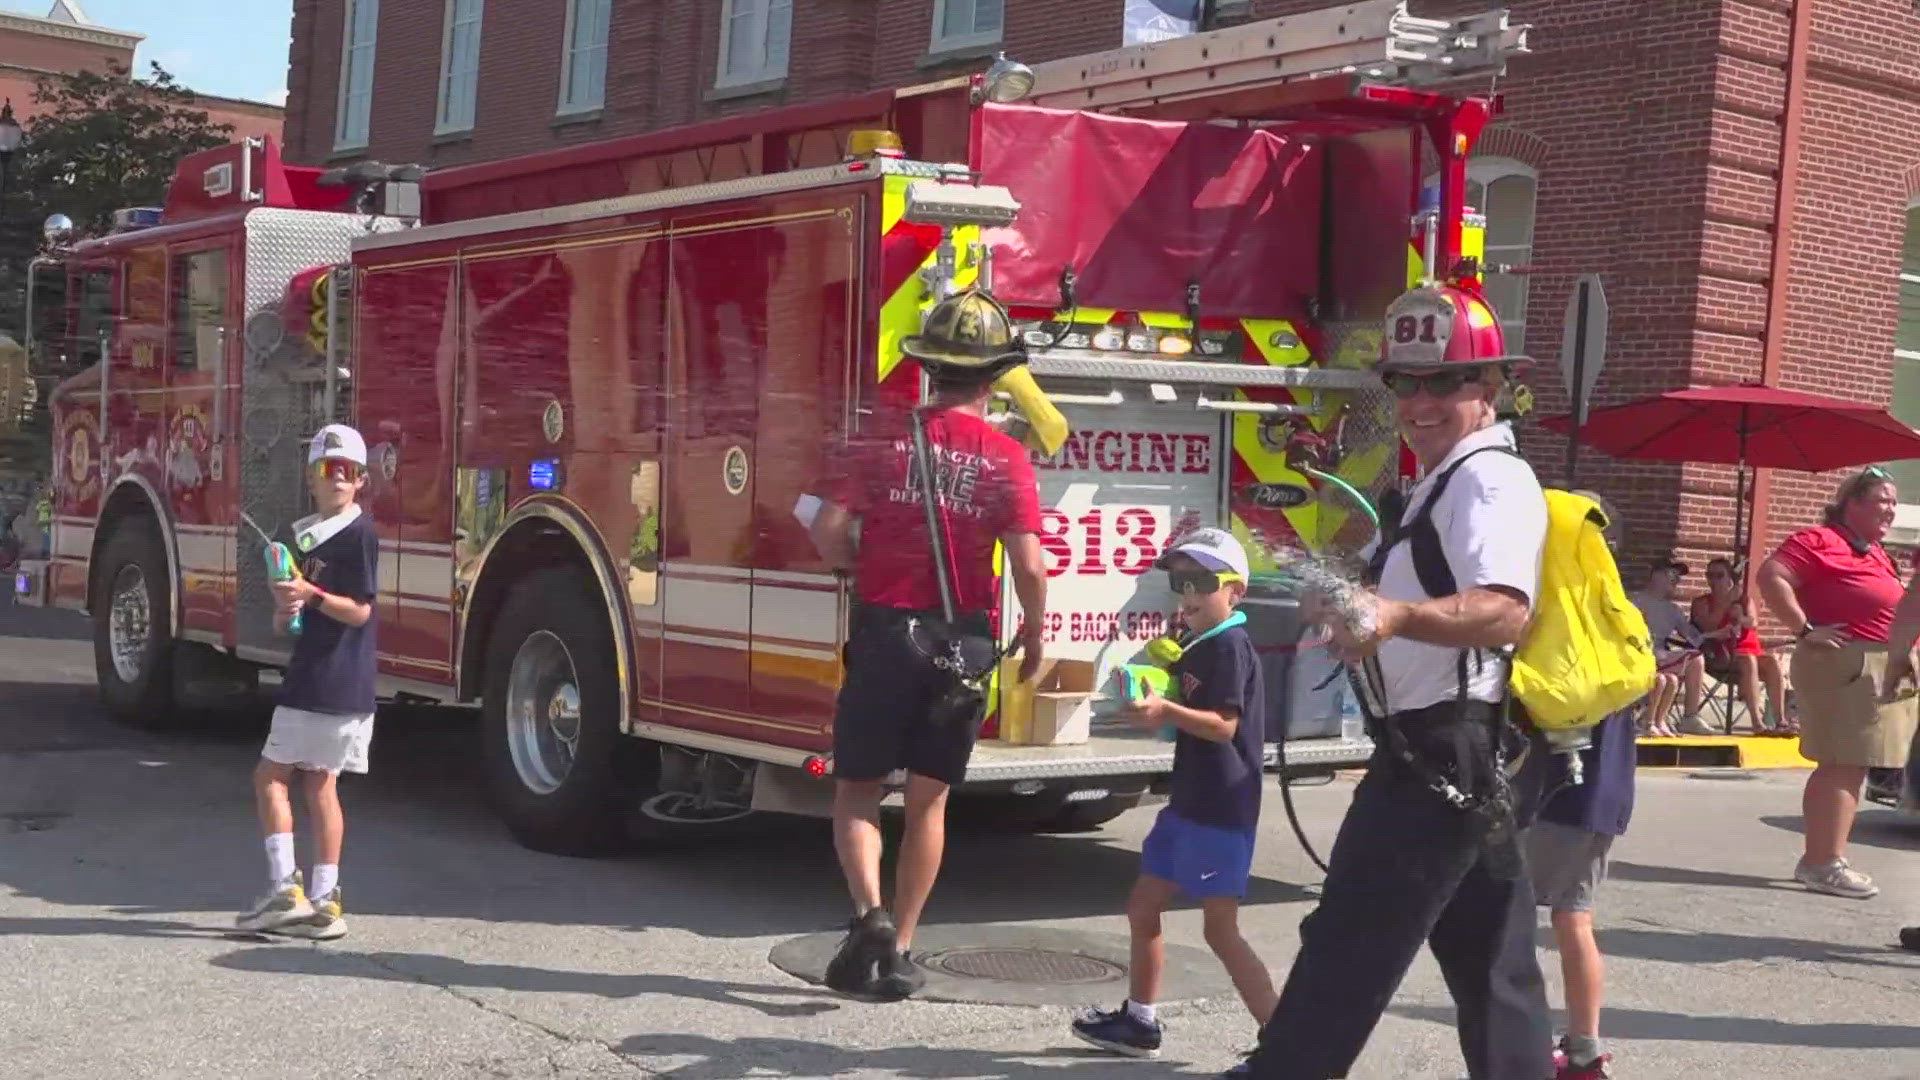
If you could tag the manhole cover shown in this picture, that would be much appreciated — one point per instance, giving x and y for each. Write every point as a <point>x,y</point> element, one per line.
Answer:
<point>1040,966</point>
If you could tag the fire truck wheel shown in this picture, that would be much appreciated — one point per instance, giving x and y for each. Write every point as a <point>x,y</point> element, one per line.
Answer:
<point>1090,814</point>
<point>132,620</point>
<point>1045,813</point>
<point>557,765</point>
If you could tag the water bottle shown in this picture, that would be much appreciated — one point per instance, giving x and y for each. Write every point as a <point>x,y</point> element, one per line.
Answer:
<point>1353,726</point>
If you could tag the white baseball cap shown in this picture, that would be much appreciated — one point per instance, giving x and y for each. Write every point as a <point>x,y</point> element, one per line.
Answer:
<point>1215,549</point>
<point>337,441</point>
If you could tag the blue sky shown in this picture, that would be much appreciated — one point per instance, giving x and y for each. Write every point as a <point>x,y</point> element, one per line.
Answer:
<point>207,44</point>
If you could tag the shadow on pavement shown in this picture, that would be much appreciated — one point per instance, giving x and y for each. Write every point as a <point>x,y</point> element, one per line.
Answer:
<point>1876,827</point>
<point>453,973</point>
<point>1679,1027</point>
<point>1708,947</point>
<point>728,1059</point>
<point>1680,875</point>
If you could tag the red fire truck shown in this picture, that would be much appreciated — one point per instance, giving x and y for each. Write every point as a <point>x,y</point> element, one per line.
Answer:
<point>601,385</point>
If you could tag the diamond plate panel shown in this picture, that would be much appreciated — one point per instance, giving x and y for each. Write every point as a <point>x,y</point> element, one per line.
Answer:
<point>282,392</point>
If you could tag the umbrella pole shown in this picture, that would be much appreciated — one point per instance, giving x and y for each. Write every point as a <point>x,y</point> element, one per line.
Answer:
<point>1740,517</point>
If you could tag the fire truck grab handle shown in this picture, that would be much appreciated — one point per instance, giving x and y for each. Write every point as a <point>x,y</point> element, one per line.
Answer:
<point>106,369</point>
<point>220,389</point>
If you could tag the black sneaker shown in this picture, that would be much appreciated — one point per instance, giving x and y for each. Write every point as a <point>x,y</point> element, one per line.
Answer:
<point>899,977</point>
<point>869,940</point>
<point>1119,1031</point>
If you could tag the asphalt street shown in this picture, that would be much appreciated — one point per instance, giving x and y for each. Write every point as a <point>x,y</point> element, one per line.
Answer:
<point>123,855</point>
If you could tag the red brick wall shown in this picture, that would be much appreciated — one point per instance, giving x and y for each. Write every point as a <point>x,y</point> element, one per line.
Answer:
<point>59,54</point>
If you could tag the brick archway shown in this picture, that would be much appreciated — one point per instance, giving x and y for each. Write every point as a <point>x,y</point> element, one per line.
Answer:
<point>1511,142</point>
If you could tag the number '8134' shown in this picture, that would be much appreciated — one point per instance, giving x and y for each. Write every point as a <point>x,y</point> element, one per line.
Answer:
<point>1126,540</point>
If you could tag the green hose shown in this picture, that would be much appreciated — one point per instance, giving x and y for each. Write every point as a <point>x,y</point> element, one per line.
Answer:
<point>1360,500</point>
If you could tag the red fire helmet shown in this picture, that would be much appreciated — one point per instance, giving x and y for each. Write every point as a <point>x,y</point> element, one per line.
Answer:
<point>1441,325</point>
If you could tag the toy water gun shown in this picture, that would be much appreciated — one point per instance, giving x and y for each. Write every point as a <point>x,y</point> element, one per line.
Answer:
<point>280,565</point>
<point>1157,675</point>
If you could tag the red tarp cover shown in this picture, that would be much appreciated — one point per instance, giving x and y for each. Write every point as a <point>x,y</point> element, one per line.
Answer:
<point>1142,207</point>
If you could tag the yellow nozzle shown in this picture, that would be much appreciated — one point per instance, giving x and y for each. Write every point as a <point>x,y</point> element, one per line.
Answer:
<point>1046,428</point>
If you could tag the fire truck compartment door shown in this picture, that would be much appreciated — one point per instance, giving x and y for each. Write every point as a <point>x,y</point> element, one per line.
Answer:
<point>1131,474</point>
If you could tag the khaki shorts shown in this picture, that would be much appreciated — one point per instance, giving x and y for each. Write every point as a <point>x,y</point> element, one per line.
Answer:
<point>1842,719</point>
<point>319,742</point>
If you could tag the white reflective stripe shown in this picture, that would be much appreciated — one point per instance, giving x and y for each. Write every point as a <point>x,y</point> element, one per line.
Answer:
<point>75,540</point>
<point>205,530</point>
<point>795,614</point>
<point>825,655</point>
<point>422,604</point>
<point>707,605</point>
<point>673,568</point>
<point>699,639</point>
<point>389,575</point>
<point>648,615</point>
<point>424,575</point>
<point>425,547</point>
<point>793,577</point>
<point>203,551</point>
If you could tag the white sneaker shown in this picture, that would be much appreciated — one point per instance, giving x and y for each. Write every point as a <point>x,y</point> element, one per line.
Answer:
<point>286,904</point>
<point>1694,724</point>
<point>1836,879</point>
<point>326,923</point>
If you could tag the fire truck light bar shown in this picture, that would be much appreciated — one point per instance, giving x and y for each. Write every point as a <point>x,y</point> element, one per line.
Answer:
<point>931,202</point>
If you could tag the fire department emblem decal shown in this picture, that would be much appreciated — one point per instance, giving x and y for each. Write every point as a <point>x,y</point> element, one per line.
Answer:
<point>553,422</point>
<point>734,470</point>
<point>389,460</point>
<point>77,447</point>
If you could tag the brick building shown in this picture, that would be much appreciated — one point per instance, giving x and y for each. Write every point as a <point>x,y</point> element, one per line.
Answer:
<point>65,42</point>
<point>1664,144</point>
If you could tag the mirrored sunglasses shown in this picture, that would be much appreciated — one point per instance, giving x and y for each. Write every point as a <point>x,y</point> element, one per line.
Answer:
<point>1198,582</point>
<point>337,470</point>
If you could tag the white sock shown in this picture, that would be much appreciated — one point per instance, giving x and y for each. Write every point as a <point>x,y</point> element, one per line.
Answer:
<point>1143,1013</point>
<point>325,877</point>
<point>279,858</point>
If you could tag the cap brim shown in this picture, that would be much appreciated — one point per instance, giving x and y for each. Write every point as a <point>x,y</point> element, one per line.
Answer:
<point>1516,363</point>
<point>1204,558</point>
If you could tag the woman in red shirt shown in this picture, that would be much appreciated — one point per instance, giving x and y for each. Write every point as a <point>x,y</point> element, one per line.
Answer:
<point>1836,588</point>
<point>1733,652</point>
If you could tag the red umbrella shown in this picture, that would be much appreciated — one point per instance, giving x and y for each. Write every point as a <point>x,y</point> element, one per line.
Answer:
<point>1747,425</point>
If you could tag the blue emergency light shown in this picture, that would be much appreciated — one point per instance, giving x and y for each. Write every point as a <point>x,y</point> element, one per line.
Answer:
<point>543,474</point>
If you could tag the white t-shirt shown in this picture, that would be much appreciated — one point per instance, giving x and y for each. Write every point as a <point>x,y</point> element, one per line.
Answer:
<point>1492,523</point>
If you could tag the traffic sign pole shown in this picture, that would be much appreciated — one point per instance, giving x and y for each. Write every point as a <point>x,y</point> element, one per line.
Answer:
<point>1578,404</point>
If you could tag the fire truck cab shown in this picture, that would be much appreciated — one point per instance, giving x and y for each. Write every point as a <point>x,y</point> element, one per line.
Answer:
<point>603,387</point>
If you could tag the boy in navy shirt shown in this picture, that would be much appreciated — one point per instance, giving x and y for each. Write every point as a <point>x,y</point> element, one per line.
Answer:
<point>1567,850</point>
<point>1202,844</point>
<point>324,723</point>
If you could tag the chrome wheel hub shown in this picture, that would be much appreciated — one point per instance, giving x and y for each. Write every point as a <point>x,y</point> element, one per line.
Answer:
<point>543,712</point>
<point>129,614</point>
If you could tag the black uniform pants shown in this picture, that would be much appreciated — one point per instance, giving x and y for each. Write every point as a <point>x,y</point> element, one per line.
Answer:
<point>1408,869</point>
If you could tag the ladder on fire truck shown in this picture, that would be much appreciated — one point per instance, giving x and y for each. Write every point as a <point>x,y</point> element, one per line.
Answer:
<point>1375,40</point>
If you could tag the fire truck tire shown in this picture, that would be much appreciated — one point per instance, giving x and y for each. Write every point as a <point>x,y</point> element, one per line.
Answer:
<point>132,626</point>
<point>1091,814</point>
<point>560,771</point>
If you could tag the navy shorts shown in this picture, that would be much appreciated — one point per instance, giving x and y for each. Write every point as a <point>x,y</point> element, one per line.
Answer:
<point>1204,860</point>
<point>883,718</point>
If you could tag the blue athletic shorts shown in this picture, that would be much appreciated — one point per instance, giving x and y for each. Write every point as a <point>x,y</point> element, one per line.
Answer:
<point>1204,860</point>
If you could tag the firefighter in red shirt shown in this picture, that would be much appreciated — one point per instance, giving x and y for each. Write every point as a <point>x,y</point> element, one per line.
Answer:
<point>895,710</point>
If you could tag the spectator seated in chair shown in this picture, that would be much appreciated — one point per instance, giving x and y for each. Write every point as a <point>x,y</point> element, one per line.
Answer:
<point>1681,668</point>
<point>1731,647</point>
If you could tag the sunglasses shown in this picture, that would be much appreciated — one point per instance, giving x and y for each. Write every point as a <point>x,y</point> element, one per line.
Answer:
<point>1439,384</point>
<point>337,470</point>
<point>1198,582</point>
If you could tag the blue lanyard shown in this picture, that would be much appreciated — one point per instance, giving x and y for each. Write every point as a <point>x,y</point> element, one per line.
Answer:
<point>1238,618</point>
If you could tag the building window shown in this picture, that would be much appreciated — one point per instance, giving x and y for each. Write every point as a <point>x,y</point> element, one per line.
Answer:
<point>960,24</point>
<point>356,75</point>
<point>1906,380</point>
<point>753,41</point>
<point>1503,190</point>
<point>459,66</point>
<point>583,68</point>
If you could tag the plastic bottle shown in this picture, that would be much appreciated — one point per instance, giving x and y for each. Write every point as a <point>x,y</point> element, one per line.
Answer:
<point>1353,726</point>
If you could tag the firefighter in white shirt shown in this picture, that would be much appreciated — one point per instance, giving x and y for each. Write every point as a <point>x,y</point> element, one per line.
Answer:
<point>1429,853</point>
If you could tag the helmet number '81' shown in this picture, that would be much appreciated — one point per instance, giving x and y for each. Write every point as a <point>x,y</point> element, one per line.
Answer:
<point>1408,329</point>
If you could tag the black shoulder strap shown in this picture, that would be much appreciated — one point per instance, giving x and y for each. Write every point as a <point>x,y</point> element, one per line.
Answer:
<point>1429,559</point>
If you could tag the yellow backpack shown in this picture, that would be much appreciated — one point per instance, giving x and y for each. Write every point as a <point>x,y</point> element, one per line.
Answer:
<point>1587,652</point>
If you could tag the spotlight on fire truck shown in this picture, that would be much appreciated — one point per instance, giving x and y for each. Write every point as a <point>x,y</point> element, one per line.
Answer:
<point>388,190</point>
<point>935,202</point>
<point>57,231</point>
<point>1006,81</point>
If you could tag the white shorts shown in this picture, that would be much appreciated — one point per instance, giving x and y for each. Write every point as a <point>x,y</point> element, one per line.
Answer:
<point>319,742</point>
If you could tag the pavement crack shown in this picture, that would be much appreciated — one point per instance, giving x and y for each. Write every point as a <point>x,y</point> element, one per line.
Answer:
<point>509,1015</point>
